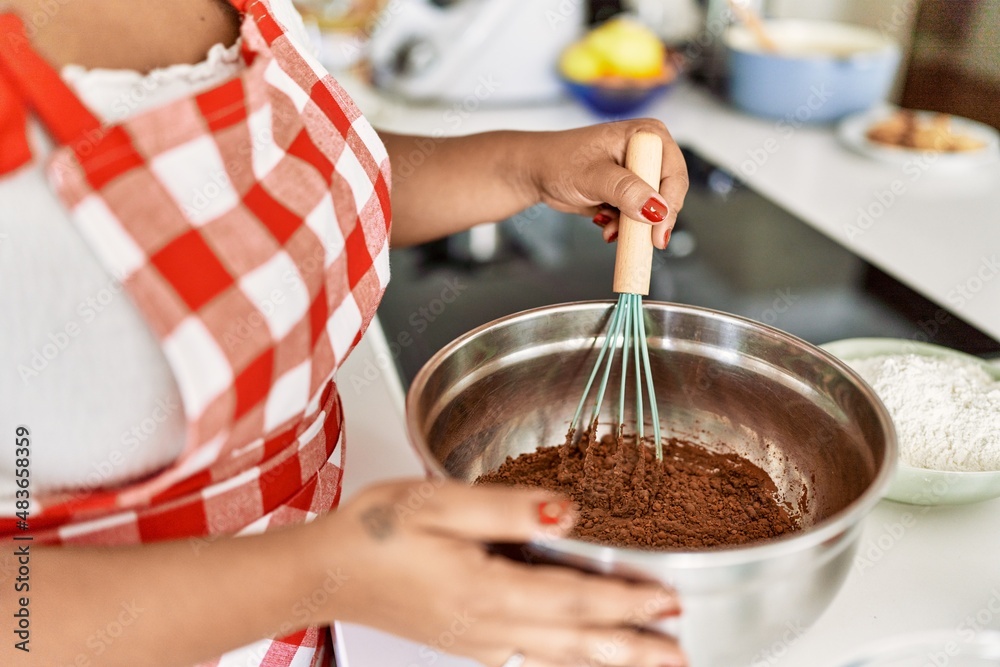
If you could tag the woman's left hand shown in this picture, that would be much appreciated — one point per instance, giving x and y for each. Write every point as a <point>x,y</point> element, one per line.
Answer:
<point>581,171</point>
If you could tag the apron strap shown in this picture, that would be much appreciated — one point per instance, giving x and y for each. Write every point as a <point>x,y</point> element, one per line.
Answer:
<point>14,148</point>
<point>28,81</point>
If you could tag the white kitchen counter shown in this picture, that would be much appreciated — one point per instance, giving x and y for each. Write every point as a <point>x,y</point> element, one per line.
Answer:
<point>918,569</point>
<point>936,230</point>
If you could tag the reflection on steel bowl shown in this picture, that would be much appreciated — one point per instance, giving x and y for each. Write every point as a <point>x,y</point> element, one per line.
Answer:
<point>723,381</point>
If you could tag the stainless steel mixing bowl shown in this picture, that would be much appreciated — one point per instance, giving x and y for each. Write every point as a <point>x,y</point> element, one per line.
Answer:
<point>728,383</point>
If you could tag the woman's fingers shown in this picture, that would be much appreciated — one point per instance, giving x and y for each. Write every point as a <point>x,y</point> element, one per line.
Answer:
<point>547,593</point>
<point>639,200</point>
<point>482,513</point>
<point>537,662</point>
<point>582,171</point>
<point>427,563</point>
<point>616,647</point>
<point>633,196</point>
<point>673,184</point>
<point>610,232</point>
<point>502,658</point>
<point>606,218</point>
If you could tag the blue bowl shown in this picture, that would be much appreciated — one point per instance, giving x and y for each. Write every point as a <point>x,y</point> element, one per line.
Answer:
<point>608,100</point>
<point>821,72</point>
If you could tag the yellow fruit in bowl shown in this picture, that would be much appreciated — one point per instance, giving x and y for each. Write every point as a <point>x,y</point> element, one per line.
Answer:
<point>629,48</point>
<point>581,63</point>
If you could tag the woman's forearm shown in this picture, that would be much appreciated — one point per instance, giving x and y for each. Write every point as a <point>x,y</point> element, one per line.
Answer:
<point>407,557</point>
<point>445,185</point>
<point>173,603</point>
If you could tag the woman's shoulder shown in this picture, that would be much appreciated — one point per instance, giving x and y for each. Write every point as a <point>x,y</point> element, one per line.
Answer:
<point>140,35</point>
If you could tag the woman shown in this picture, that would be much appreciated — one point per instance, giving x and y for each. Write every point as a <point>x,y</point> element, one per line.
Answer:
<point>192,252</point>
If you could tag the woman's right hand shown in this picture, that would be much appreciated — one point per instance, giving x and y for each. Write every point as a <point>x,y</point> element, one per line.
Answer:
<point>415,564</point>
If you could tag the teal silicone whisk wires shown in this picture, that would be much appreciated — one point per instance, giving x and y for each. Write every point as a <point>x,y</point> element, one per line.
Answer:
<point>625,339</point>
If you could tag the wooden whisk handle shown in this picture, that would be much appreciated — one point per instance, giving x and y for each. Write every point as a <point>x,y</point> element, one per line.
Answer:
<point>634,256</point>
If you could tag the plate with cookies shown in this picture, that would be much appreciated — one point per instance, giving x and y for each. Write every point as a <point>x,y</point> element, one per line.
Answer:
<point>899,136</point>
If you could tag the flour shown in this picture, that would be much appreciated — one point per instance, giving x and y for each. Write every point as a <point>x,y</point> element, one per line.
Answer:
<point>946,411</point>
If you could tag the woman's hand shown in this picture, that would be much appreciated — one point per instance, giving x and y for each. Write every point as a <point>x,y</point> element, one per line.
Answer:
<point>445,185</point>
<point>417,566</point>
<point>580,171</point>
<point>407,557</point>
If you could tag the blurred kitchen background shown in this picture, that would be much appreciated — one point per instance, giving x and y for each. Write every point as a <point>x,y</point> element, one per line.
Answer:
<point>734,249</point>
<point>951,47</point>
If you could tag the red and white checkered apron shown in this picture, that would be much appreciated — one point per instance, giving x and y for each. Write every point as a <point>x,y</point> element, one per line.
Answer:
<point>249,224</point>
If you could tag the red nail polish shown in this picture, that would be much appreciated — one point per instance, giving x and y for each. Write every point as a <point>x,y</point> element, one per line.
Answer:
<point>670,613</point>
<point>551,512</point>
<point>666,239</point>
<point>654,211</point>
<point>600,219</point>
<point>614,235</point>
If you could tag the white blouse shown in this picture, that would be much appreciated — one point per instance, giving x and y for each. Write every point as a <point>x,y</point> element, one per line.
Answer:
<point>81,369</point>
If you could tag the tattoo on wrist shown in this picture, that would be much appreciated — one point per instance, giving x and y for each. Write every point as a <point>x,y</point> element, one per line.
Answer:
<point>378,521</point>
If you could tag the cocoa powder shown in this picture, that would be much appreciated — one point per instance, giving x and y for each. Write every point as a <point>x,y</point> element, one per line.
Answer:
<point>694,499</point>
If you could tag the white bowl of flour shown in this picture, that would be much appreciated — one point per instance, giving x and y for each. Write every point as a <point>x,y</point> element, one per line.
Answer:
<point>945,406</point>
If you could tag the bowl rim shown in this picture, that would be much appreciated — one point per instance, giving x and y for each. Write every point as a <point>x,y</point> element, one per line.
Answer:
<point>640,87</point>
<point>888,45</point>
<point>829,529</point>
<point>920,348</point>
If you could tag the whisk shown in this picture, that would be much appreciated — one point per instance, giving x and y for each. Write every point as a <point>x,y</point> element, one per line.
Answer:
<point>627,330</point>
